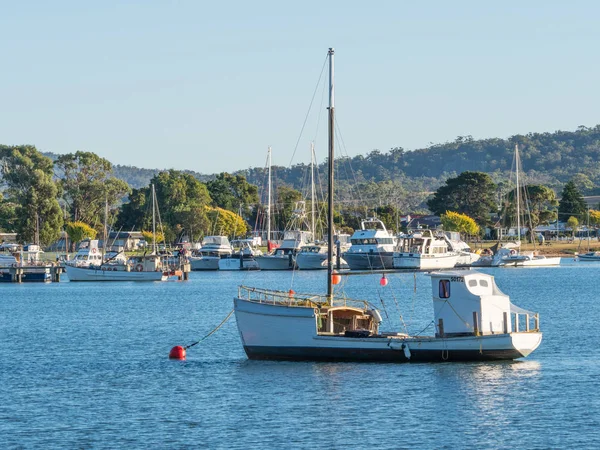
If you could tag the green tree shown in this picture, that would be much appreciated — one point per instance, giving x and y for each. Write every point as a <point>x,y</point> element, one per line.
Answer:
<point>233,192</point>
<point>284,207</point>
<point>470,193</point>
<point>78,231</point>
<point>27,175</point>
<point>87,183</point>
<point>181,202</point>
<point>572,202</point>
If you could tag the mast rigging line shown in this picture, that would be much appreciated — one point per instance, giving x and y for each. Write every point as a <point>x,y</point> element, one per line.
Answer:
<point>309,109</point>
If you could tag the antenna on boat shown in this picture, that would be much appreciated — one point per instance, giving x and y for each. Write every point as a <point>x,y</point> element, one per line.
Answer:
<point>330,181</point>
<point>153,221</point>
<point>518,194</point>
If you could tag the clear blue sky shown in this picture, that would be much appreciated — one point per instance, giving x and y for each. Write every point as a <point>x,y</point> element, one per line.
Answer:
<point>208,86</point>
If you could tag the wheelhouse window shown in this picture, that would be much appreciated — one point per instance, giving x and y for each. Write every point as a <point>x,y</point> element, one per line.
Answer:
<point>444,289</point>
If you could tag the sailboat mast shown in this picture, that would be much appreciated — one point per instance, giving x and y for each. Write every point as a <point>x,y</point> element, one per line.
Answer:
<point>105,237</point>
<point>269,201</point>
<point>518,193</point>
<point>312,188</point>
<point>153,222</point>
<point>330,181</point>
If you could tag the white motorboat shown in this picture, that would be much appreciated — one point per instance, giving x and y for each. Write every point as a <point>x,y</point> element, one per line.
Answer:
<point>213,249</point>
<point>242,258</point>
<point>314,257</point>
<point>466,256</point>
<point>423,250</point>
<point>473,319</point>
<point>284,257</point>
<point>372,247</point>
<point>509,255</point>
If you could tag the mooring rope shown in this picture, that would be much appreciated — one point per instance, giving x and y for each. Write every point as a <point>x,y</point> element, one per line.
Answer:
<point>218,326</point>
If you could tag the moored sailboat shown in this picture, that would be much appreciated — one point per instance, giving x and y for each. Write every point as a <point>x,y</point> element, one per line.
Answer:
<point>473,318</point>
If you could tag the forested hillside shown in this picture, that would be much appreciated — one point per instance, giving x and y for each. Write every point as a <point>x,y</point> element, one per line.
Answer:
<point>548,158</point>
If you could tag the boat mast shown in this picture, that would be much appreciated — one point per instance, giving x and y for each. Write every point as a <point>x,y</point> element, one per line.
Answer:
<point>312,189</point>
<point>518,194</point>
<point>330,182</point>
<point>105,237</point>
<point>269,201</point>
<point>153,222</point>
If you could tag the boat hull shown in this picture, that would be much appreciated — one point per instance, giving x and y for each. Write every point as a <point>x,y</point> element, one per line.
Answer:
<point>204,263</point>
<point>279,332</point>
<point>536,262</point>
<point>235,264</point>
<point>316,261</point>
<point>87,274</point>
<point>424,262</point>
<point>267,262</point>
<point>369,261</point>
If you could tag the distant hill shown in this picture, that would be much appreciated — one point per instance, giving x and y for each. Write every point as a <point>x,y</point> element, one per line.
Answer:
<point>548,158</point>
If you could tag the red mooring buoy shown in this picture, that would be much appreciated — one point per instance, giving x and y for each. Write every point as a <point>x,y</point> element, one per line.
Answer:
<point>383,281</point>
<point>177,352</point>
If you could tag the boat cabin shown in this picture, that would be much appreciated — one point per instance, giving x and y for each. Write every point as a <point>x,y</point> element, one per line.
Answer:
<point>470,303</point>
<point>347,321</point>
<point>422,242</point>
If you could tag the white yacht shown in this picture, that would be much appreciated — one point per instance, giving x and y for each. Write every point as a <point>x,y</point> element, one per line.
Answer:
<point>372,247</point>
<point>242,258</point>
<point>213,249</point>
<point>314,257</point>
<point>284,257</point>
<point>473,319</point>
<point>466,256</point>
<point>423,250</point>
<point>509,255</point>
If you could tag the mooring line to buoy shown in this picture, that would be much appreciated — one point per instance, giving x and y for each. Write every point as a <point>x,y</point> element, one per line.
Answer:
<point>218,326</point>
<point>178,352</point>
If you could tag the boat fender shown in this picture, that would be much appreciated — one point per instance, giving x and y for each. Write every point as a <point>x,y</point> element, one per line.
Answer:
<point>395,344</point>
<point>139,268</point>
<point>406,350</point>
<point>376,315</point>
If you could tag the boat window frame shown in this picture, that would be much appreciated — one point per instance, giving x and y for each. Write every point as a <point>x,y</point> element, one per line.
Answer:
<point>444,288</point>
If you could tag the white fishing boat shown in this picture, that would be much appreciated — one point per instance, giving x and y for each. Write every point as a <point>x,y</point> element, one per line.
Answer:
<point>466,257</point>
<point>473,319</point>
<point>91,254</point>
<point>372,247</point>
<point>243,256</point>
<point>99,266</point>
<point>213,249</point>
<point>424,251</point>
<point>142,268</point>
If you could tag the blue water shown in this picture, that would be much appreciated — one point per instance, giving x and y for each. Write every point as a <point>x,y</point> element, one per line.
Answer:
<point>85,366</point>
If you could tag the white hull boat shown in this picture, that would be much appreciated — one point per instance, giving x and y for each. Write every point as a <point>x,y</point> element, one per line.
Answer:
<point>105,273</point>
<point>317,261</point>
<point>204,262</point>
<point>425,262</point>
<point>235,263</point>
<point>273,325</point>
<point>473,318</point>
<point>276,262</point>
